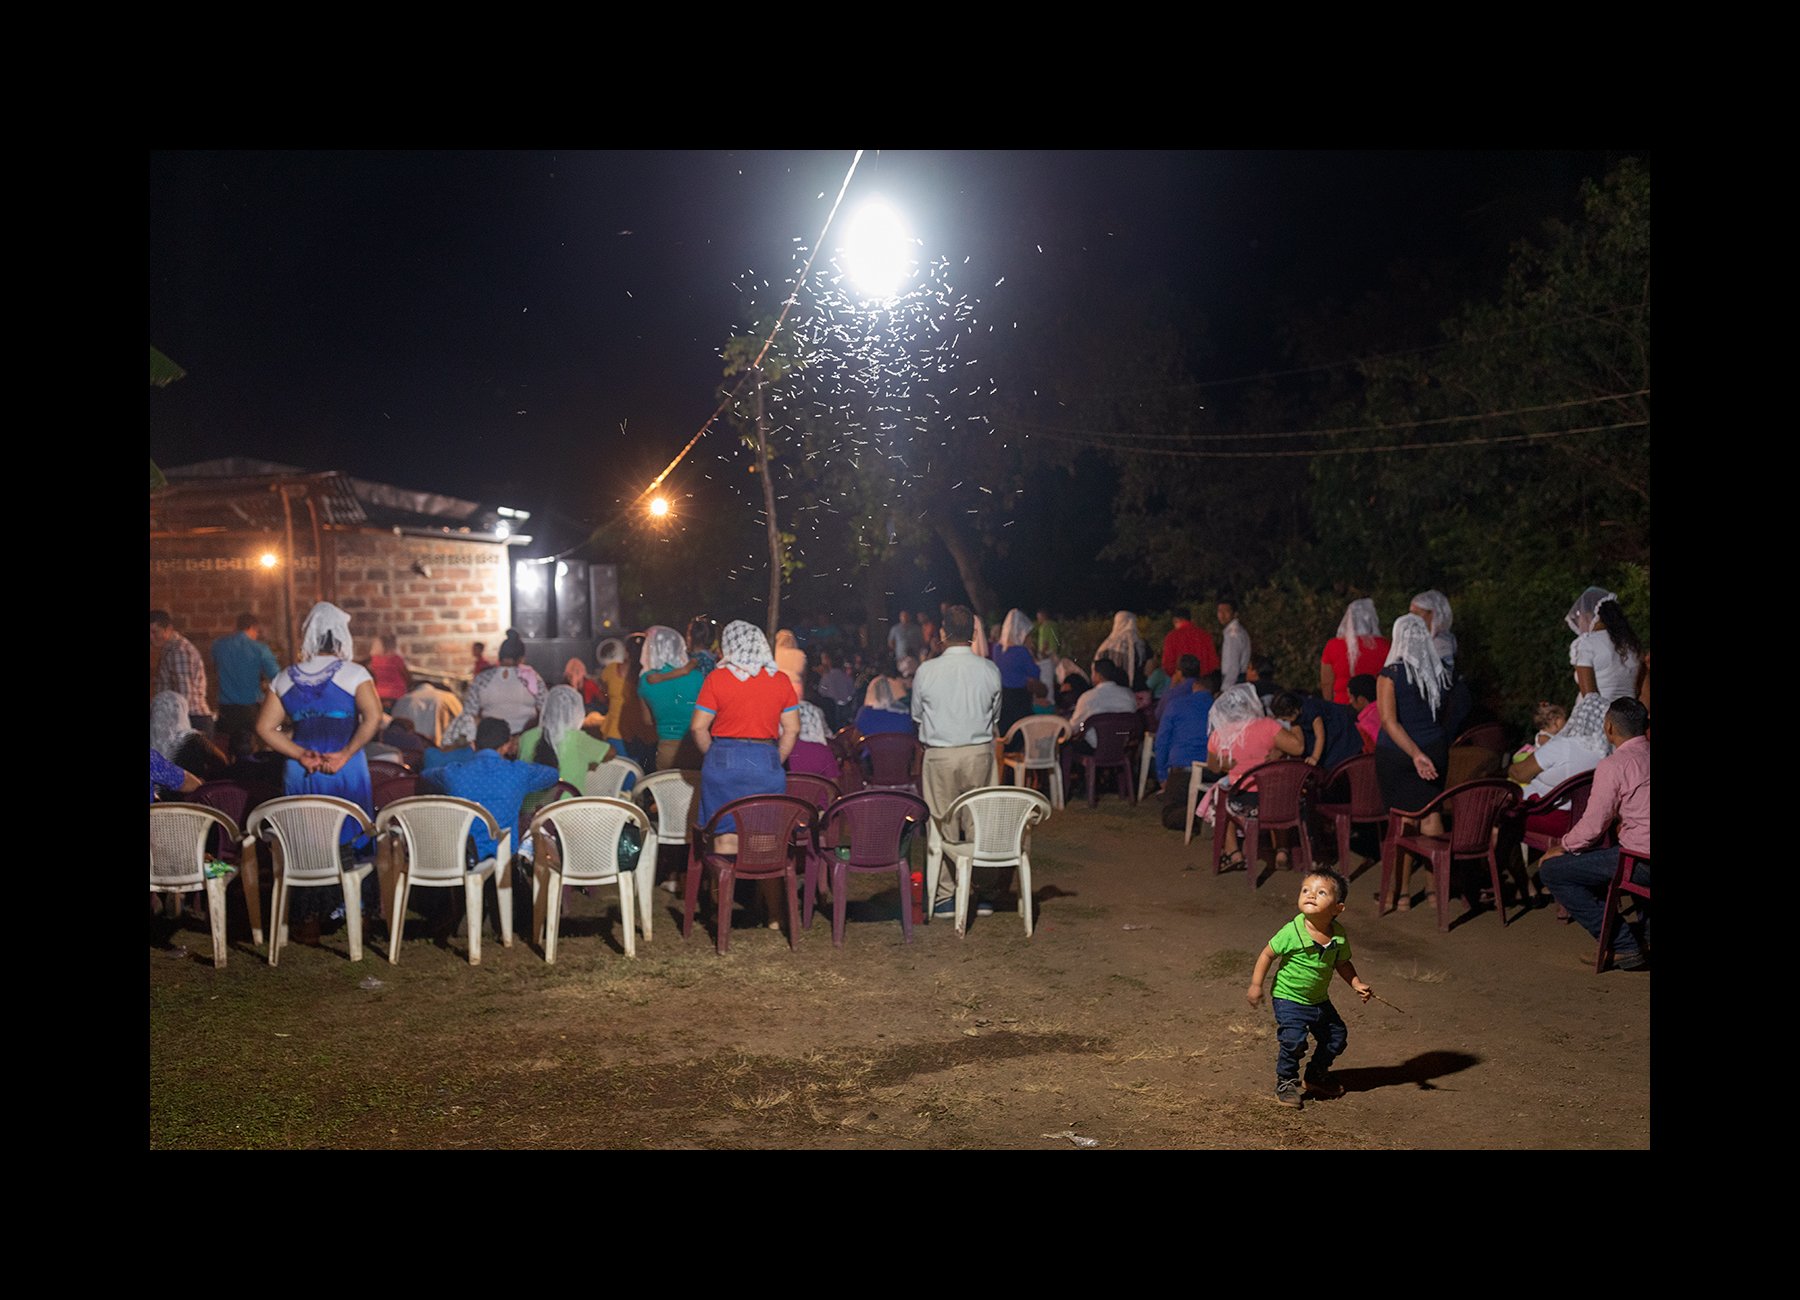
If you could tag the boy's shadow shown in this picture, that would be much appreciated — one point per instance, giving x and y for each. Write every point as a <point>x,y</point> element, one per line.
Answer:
<point>1420,1070</point>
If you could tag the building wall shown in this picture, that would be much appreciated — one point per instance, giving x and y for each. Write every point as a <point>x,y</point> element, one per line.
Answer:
<point>206,582</point>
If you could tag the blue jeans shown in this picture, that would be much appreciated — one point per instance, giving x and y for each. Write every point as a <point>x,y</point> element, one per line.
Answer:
<point>1579,882</point>
<point>1293,1022</point>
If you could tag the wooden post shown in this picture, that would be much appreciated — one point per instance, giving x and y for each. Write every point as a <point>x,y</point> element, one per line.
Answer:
<point>762,468</point>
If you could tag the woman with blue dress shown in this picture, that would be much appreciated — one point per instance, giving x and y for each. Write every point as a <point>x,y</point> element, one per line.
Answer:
<point>328,705</point>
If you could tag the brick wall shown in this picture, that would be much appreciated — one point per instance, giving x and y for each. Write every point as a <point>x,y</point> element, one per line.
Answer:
<point>206,582</point>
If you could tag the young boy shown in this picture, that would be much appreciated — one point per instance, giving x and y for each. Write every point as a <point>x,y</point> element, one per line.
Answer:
<point>1311,947</point>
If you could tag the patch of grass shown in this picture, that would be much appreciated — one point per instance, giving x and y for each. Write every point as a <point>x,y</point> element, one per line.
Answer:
<point>1417,976</point>
<point>1131,981</point>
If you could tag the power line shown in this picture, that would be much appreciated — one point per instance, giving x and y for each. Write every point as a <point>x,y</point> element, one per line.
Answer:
<point>1106,437</point>
<point>1356,451</point>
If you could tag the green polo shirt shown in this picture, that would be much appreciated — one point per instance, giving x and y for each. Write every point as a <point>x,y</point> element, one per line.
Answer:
<point>1306,967</point>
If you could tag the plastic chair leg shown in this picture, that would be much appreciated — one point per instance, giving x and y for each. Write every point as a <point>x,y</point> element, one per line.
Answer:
<point>1056,786</point>
<point>215,912</point>
<point>727,887</point>
<point>397,926</point>
<point>472,899</point>
<point>352,883</point>
<point>1609,917</point>
<point>248,872</point>
<point>1252,849</point>
<point>278,921</point>
<point>965,870</point>
<point>552,915</point>
<point>1193,802</point>
<point>905,902</point>
<point>1343,842</point>
<point>1440,885</point>
<point>643,899</point>
<point>1025,891</point>
<point>792,891</point>
<point>628,911</point>
<point>690,896</point>
<point>503,896</point>
<point>840,902</point>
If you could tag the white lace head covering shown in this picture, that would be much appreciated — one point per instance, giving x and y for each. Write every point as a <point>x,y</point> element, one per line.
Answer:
<point>745,651</point>
<point>1441,635</point>
<point>1236,708</point>
<point>664,648</point>
<point>169,726</point>
<point>610,651</point>
<point>563,712</point>
<point>1064,667</point>
<point>812,723</point>
<point>880,695</point>
<point>1359,620</point>
<point>1414,646</point>
<point>1015,630</point>
<point>1580,617</point>
<point>326,621</point>
<point>1122,645</point>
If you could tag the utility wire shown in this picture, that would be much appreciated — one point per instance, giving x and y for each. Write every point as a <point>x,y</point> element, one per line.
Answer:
<point>1107,437</point>
<point>1355,451</point>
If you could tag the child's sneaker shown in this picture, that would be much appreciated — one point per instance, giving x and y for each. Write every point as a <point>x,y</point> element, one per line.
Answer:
<point>1323,1083</point>
<point>1287,1092</point>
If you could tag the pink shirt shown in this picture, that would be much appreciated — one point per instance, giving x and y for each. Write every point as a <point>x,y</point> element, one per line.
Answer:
<point>1622,790</point>
<point>1255,744</point>
<point>1369,723</point>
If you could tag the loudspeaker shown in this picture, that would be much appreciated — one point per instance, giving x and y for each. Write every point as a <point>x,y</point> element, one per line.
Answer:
<point>531,598</point>
<point>603,590</point>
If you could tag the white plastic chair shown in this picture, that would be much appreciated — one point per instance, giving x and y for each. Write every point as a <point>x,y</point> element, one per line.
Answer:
<point>1147,751</point>
<point>433,831</point>
<point>588,831</point>
<point>674,791</point>
<point>1000,818</point>
<point>178,836</point>
<point>607,781</point>
<point>302,833</point>
<point>1043,736</point>
<point>1195,793</point>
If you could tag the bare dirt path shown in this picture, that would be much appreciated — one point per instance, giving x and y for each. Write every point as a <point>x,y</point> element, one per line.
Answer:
<point>1123,1022</point>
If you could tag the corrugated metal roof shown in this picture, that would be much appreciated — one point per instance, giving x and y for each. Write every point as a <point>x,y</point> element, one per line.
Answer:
<point>237,494</point>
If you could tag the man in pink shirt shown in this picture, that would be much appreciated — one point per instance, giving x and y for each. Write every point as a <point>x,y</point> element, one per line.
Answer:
<point>1578,873</point>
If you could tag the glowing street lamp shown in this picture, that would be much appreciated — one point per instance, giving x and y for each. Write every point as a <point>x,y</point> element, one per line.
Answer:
<point>877,250</point>
<point>268,559</point>
<point>659,507</point>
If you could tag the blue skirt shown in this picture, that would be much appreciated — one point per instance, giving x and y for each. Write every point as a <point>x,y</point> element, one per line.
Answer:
<point>737,769</point>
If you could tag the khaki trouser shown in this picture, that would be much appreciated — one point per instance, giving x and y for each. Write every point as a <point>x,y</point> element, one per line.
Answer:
<point>946,774</point>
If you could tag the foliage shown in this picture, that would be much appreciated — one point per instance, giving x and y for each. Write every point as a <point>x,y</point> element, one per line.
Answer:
<point>163,371</point>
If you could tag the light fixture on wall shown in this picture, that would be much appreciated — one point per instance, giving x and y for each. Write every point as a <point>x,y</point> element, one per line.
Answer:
<point>421,568</point>
<point>268,559</point>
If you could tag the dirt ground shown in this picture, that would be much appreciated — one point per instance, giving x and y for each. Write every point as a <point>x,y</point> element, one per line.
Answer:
<point>1121,1023</point>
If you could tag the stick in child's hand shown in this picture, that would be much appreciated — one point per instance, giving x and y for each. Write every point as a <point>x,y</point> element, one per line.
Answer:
<point>1384,1002</point>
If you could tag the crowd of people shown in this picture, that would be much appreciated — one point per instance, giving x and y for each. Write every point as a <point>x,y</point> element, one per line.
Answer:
<point>743,712</point>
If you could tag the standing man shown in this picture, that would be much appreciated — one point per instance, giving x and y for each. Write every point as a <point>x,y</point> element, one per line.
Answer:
<point>904,639</point>
<point>1234,653</point>
<point>1186,639</point>
<point>181,669</point>
<point>956,703</point>
<point>1579,873</point>
<point>244,664</point>
<point>1046,648</point>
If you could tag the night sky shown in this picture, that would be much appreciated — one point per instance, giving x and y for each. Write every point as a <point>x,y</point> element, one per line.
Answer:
<point>542,328</point>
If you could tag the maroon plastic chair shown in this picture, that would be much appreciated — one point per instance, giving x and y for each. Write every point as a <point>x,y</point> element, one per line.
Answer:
<point>1361,805</point>
<point>235,800</point>
<point>893,761</point>
<point>820,791</point>
<point>382,768</point>
<point>529,806</point>
<point>1489,736</point>
<point>1474,809</point>
<point>767,849</point>
<point>1622,883</point>
<point>846,743</point>
<point>863,832</point>
<point>389,788</point>
<point>1574,792</point>
<point>1284,789</point>
<point>1116,740</point>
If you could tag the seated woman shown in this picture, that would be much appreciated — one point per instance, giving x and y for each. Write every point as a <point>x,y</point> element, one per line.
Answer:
<point>173,738</point>
<point>668,683</point>
<point>1071,684</point>
<point>559,741</point>
<point>1017,669</point>
<point>1239,736</point>
<point>812,752</point>
<point>886,707</point>
<point>511,690</point>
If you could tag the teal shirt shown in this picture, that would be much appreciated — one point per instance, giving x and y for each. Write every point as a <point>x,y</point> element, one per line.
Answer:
<point>1306,967</point>
<point>671,703</point>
